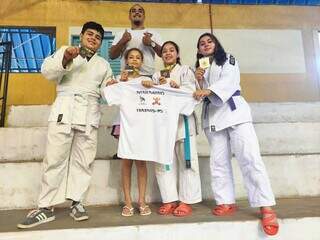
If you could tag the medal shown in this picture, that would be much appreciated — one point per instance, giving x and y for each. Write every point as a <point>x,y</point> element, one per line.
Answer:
<point>204,62</point>
<point>86,52</point>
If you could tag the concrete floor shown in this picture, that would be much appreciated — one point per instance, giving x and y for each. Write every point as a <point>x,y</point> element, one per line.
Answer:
<point>107,216</point>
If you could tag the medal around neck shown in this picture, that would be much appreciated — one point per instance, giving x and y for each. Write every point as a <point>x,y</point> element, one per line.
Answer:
<point>165,73</point>
<point>204,62</point>
<point>86,52</point>
<point>129,69</point>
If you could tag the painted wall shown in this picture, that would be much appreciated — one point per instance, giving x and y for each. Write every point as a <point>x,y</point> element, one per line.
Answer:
<point>277,46</point>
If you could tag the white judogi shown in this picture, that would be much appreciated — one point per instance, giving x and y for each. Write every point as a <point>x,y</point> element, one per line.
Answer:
<point>72,128</point>
<point>189,179</point>
<point>232,130</point>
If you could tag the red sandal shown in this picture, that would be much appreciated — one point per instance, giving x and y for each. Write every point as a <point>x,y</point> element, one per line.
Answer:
<point>182,210</point>
<point>224,209</point>
<point>167,208</point>
<point>269,224</point>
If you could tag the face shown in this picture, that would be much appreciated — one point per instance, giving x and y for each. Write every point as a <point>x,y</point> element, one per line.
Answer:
<point>206,46</point>
<point>169,54</point>
<point>91,39</point>
<point>136,14</point>
<point>134,59</point>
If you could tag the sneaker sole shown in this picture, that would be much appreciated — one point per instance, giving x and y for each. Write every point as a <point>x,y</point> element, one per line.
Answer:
<point>50,219</point>
<point>79,218</point>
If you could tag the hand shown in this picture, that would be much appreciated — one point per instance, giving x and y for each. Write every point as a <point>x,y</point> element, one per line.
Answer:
<point>146,40</point>
<point>199,74</point>
<point>126,37</point>
<point>173,84</point>
<point>69,54</point>
<point>111,82</point>
<point>124,76</point>
<point>147,83</point>
<point>162,80</point>
<point>199,94</point>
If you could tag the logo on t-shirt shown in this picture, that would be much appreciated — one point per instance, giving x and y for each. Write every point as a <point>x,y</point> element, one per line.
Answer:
<point>142,100</point>
<point>156,101</point>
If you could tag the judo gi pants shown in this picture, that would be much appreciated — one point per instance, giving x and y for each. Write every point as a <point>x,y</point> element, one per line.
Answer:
<point>242,140</point>
<point>67,166</point>
<point>188,190</point>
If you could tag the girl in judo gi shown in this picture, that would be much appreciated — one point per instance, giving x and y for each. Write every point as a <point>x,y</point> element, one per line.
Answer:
<point>227,122</point>
<point>134,59</point>
<point>179,183</point>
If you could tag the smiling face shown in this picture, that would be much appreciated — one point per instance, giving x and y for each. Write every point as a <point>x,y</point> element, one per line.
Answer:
<point>169,54</point>
<point>91,39</point>
<point>206,46</point>
<point>134,59</point>
<point>137,15</point>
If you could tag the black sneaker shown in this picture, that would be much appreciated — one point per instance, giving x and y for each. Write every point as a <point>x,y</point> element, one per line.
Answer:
<point>78,212</point>
<point>37,217</point>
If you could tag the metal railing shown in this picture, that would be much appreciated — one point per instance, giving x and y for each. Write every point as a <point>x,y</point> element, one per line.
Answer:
<point>5,64</point>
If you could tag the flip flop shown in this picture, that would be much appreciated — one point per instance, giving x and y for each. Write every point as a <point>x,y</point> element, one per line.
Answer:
<point>127,212</point>
<point>144,210</point>
<point>269,224</point>
<point>182,210</point>
<point>224,209</point>
<point>167,208</point>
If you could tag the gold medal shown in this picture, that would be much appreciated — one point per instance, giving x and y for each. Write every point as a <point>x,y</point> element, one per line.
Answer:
<point>204,62</point>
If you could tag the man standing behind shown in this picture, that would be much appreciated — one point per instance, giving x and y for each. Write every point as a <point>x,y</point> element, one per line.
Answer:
<point>149,42</point>
<point>73,124</point>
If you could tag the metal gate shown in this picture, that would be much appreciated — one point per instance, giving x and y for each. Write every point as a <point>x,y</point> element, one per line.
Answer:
<point>5,63</point>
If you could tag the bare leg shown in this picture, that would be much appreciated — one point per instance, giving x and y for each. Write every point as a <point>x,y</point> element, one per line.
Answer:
<point>126,181</point>
<point>142,181</point>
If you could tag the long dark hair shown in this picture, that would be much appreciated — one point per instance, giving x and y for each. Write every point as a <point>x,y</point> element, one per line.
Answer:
<point>219,55</point>
<point>175,46</point>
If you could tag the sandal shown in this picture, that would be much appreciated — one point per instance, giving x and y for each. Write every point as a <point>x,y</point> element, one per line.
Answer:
<point>183,210</point>
<point>269,222</point>
<point>224,209</point>
<point>127,212</point>
<point>167,208</point>
<point>145,210</point>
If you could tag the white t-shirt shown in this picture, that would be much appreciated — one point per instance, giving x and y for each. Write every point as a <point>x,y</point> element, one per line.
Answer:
<point>136,42</point>
<point>148,119</point>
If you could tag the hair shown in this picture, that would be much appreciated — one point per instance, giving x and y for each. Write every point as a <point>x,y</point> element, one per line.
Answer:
<point>175,46</point>
<point>93,25</point>
<point>126,54</point>
<point>137,5</point>
<point>219,55</point>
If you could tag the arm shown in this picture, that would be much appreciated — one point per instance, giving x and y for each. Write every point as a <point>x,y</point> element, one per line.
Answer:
<point>116,49</point>
<point>147,41</point>
<point>188,80</point>
<point>57,65</point>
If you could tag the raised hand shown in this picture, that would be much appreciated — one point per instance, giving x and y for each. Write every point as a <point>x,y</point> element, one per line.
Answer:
<point>69,54</point>
<point>126,37</point>
<point>146,40</point>
<point>199,74</point>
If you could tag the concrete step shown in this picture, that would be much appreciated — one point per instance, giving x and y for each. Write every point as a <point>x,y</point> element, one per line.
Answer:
<point>290,175</point>
<point>28,143</point>
<point>37,115</point>
<point>298,219</point>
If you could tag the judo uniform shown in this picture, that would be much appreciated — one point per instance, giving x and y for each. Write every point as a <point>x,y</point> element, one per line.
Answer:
<point>73,125</point>
<point>227,122</point>
<point>176,182</point>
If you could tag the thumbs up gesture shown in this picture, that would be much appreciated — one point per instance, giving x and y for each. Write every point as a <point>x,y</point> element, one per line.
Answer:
<point>126,37</point>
